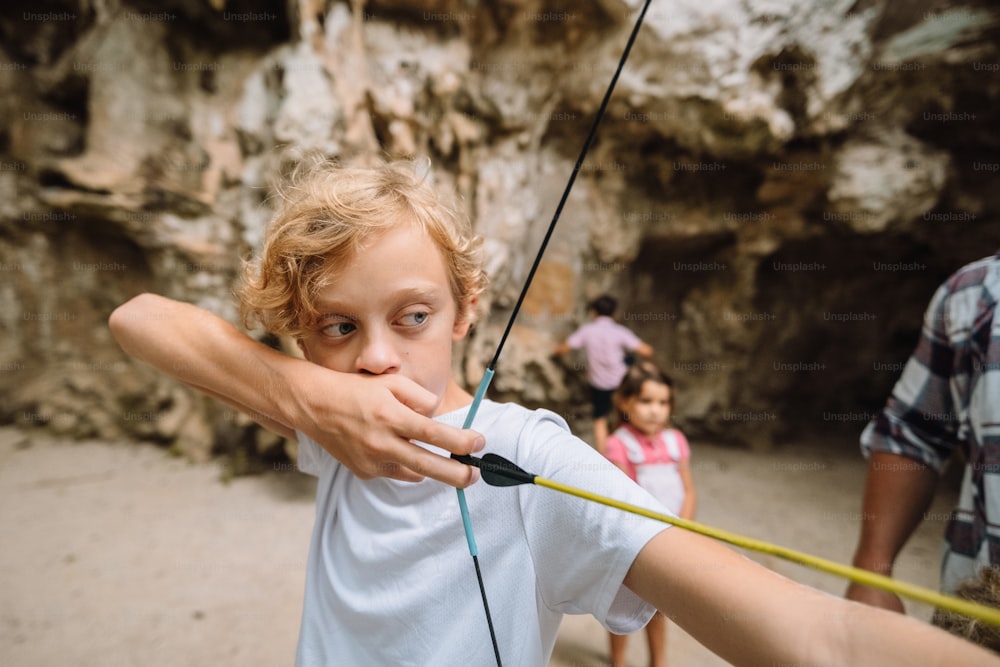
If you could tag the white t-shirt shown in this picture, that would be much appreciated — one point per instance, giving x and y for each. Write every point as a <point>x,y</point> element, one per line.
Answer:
<point>390,580</point>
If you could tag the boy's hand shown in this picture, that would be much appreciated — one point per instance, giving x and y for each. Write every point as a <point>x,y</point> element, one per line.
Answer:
<point>367,423</point>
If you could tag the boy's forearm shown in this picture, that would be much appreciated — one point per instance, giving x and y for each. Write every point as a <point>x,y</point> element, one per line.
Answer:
<point>206,352</point>
<point>865,635</point>
<point>722,599</point>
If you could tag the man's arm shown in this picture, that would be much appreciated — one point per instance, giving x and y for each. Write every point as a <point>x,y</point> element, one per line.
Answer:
<point>898,491</point>
<point>561,349</point>
<point>750,615</point>
<point>644,350</point>
<point>366,423</point>
<point>907,442</point>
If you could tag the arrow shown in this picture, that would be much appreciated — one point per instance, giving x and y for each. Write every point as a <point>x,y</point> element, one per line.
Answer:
<point>498,471</point>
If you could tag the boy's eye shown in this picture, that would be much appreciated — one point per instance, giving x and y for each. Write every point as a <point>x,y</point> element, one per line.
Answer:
<point>415,319</point>
<point>338,329</point>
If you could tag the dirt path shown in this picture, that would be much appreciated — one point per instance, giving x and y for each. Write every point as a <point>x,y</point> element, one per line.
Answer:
<point>118,555</point>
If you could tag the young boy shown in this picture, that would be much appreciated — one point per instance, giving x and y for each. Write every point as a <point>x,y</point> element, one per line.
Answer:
<point>375,277</point>
<point>605,344</point>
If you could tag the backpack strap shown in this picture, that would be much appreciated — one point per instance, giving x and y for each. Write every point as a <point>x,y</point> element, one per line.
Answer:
<point>632,447</point>
<point>673,444</point>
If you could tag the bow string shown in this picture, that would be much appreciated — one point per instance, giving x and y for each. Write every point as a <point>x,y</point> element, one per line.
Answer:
<point>491,369</point>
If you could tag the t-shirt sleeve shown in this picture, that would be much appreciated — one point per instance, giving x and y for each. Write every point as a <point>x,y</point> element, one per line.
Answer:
<point>582,550</point>
<point>576,339</point>
<point>919,420</point>
<point>628,339</point>
<point>311,456</point>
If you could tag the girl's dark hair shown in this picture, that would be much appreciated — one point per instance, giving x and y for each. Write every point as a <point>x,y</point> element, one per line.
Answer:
<point>631,385</point>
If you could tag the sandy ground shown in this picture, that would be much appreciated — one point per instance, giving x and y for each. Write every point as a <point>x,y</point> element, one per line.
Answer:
<point>116,554</point>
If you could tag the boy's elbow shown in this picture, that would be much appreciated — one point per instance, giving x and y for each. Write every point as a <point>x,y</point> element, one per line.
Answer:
<point>118,323</point>
<point>119,318</point>
<point>124,317</point>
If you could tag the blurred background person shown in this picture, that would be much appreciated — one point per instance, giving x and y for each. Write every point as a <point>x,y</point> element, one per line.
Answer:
<point>607,346</point>
<point>947,399</point>
<point>658,458</point>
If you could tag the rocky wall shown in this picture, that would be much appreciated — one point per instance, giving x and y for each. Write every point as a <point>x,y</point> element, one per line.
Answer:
<point>774,193</point>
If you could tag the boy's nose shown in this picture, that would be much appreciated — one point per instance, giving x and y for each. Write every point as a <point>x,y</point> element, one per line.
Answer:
<point>377,356</point>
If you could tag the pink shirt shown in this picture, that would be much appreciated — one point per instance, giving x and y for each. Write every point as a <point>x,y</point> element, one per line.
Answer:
<point>605,342</point>
<point>653,447</point>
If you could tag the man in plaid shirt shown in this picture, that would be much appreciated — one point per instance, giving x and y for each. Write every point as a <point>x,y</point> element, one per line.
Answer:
<point>948,397</point>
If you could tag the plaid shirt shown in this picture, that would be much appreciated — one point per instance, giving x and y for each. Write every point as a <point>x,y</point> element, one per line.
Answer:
<point>949,396</point>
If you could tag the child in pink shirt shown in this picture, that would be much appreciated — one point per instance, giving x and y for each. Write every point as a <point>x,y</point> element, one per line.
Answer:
<point>657,457</point>
<point>606,345</point>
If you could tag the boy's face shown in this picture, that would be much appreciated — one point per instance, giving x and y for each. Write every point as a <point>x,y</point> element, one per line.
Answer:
<point>390,309</point>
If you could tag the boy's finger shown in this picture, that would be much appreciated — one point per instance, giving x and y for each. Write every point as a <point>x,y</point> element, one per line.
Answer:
<point>455,440</point>
<point>412,426</point>
<point>412,395</point>
<point>421,427</point>
<point>399,472</point>
<point>443,469</point>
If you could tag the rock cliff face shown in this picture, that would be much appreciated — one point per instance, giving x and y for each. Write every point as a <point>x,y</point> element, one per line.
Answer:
<point>775,191</point>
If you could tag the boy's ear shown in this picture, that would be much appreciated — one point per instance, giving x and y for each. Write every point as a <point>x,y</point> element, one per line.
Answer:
<point>465,318</point>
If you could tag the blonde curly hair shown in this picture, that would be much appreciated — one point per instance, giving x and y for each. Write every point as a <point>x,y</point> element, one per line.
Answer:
<point>327,213</point>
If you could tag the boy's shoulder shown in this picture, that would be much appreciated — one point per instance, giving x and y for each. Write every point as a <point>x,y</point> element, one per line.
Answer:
<point>493,415</point>
<point>519,433</point>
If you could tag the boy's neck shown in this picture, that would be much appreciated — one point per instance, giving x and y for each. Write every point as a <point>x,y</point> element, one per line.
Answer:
<point>454,398</point>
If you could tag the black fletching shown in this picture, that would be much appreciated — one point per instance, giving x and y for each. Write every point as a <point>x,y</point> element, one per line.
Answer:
<point>498,471</point>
